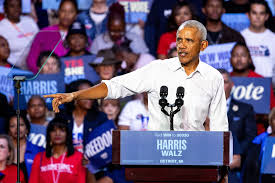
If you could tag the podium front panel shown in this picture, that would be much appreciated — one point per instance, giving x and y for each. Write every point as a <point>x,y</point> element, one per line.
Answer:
<point>172,148</point>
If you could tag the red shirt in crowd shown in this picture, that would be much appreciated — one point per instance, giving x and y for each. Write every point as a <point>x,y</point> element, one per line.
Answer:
<point>10,175</point>
<point>166,42</point>
<point>58,170</point>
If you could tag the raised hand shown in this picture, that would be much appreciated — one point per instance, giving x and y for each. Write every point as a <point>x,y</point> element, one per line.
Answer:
<point>60,98</point>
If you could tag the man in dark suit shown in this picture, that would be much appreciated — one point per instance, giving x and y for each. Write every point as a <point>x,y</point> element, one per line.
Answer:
<point>242,124</point>
<point>241,116</point>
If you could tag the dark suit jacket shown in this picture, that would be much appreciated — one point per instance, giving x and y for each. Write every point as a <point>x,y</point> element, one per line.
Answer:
<point>242,123</point>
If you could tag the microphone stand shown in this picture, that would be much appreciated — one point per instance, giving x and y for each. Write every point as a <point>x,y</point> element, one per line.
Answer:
<point>172,113</point>
<point>18,80</point>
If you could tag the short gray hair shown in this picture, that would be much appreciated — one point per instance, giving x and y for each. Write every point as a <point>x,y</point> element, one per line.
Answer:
<point>196,24</point>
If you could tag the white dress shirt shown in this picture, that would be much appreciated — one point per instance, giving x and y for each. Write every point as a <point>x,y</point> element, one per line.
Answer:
<point>204,94</point>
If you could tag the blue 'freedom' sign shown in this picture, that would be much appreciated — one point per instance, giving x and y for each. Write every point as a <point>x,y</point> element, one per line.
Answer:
<point>99,146</point>
<point>254,91</point>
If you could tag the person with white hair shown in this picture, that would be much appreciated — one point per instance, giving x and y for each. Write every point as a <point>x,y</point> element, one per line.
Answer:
<point>204,86</point>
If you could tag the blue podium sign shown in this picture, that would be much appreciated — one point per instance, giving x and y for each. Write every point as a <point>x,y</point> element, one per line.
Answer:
<point>268,160</point>
<point>171,148</point>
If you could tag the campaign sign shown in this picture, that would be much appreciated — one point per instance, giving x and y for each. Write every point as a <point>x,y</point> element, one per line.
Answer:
<point>44,84</point>
<point>136,10</point>
<point>82,4</point>
<point>26,6</point>
<point>254,91</point>
<point>171,148</point>
<point>6,80</point>
<point>99,146</point>
<point>268,160</point>
<point>218,56</point>
<point>78,68</point>
<point>236,21</point>
<point>37,135</point>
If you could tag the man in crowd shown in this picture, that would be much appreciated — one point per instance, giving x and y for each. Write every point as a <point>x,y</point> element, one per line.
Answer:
<point>259,39</point>
<point>242,124</point>
<point>217,31</point>
<point>204,92</point>
<point>37,109</point>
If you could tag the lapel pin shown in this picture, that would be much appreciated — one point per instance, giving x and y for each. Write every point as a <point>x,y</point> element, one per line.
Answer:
<point>235,108</point>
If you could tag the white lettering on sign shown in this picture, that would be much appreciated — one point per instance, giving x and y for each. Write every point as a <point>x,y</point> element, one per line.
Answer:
<point>248,92</point>
<point>139,7</point>
<point>273,151</point>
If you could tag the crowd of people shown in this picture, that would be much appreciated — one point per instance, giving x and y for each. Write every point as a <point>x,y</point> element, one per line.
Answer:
<point>52,145</point>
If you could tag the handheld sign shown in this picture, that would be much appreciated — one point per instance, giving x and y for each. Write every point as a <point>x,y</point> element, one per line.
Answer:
<point>6,81</point>
<point>268,160</point>
<point>136,10</point>
<point>237,21</point>
<point>44,84</point>
<point>99,146</point>
<point>218,56</point>
<point>254,91</point>
<point>78,68</point>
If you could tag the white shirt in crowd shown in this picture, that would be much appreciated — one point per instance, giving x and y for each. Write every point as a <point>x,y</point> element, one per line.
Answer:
<point>135,115</point>
<point>262,50</point>
<point>78,136</point>
<point>19,37</point>
<point>204,94</point>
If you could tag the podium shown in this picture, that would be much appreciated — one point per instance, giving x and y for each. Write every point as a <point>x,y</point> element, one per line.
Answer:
<point>172,156</point>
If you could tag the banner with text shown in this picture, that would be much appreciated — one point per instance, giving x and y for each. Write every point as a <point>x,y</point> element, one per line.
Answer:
<point>136,9</point>
<point>171,148</point>
<point>6,81</point>
<point>237,21</point>
<point>44,84</point>
<point>82,4</point>
<point>99,146</point>
<point>254,91</point>
<point>26,6</point>
<point>218,56</point>
<point>78,68</point>
<point>268,161</point>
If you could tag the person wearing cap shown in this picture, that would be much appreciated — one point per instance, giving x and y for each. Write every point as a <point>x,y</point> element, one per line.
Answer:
<point>77,40</point>
<point>105,64</point>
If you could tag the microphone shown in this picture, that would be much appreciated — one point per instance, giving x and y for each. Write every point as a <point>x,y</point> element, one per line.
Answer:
<point>163,94</point>
<point>180,95</point>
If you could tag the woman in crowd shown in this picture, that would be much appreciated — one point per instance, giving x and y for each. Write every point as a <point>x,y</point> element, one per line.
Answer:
<point>135,114</point>
<point>18,31</point>
<point>116,33</point>
<point>53,36</point>
<point>105,64</point>
<point>4,52</point>
<point>131,60</point>
<point>253,162</point>
<point>83,116</point>
<point>180,13</point>
<point>60,162</point>
<point>111,107</point>
<point>77,40</point>
<point>95,19</point>
<point>53,64</point>
<point>7,169</point>
<point>27,149</point>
